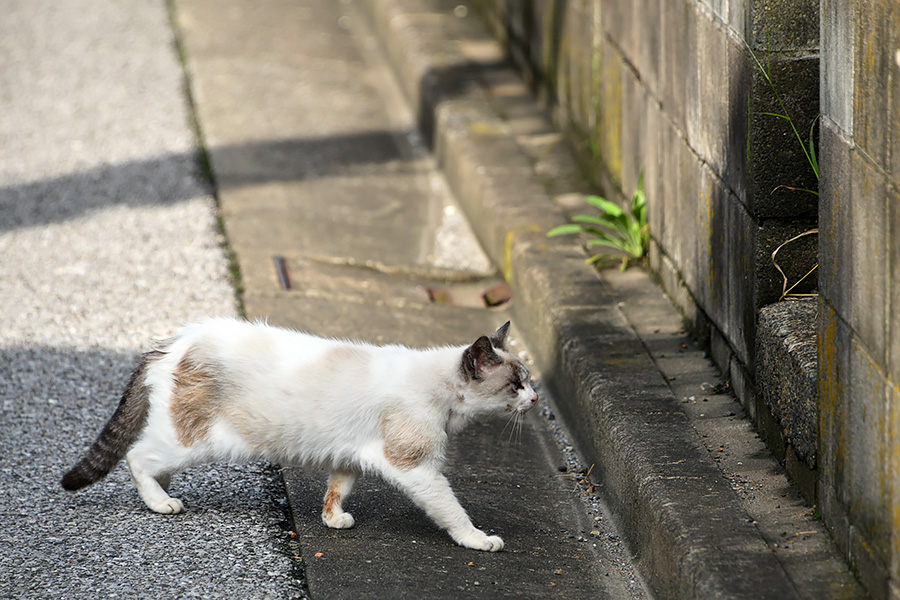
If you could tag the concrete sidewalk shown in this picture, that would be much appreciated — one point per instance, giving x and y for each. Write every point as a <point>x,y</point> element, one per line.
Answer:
<point>343,227</point>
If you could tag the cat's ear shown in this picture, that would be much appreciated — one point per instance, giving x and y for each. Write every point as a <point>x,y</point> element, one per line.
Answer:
<point>479,358</point>
<point>498,338</point>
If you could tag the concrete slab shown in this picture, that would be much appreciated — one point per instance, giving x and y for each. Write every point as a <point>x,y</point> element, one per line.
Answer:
<point>320,168</point>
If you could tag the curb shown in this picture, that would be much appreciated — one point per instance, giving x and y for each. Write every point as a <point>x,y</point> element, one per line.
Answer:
<point>681,519</point>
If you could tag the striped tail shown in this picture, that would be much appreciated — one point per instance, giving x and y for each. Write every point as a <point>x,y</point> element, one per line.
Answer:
<point>118,435</point>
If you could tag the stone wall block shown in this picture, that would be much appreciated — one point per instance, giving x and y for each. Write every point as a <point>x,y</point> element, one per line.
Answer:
<point>739,71</point>
<point>681,206</point>
<point>679,49</point>
<point>593,33</point>
<point>649,38</point>
<point>711,194</point>
<point>892,466</point>
<point>784,25</point>
<point>691,87</point>
<point>834,388</point>
<point>617,23</point>
<point>834,216</point>
<point>893,116</point>
<point>540,40</point>
<point>787,378</point>
<point>795,258</point>
<point>893,242</point>
<point>719,8</point>
<point>709,111</point>
<point>837,54</point>
<point>581,24</point>
<point>870,511</point>
<point>634,100</point>
<point>658,205</point>
<point>738,16</point>
<point>654,188</point>
<point>609,123</point>
<point>870,568</point>
<point>775,154</point>
<point>866,273</point>
<point>732,274</point>
<point>564,59</point>
<point>872,64</point>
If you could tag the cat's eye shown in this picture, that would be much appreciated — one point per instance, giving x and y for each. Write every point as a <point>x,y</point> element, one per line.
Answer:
<point>515,386</point>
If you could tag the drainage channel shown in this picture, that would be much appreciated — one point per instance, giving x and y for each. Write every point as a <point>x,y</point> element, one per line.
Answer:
<point>474,292</point>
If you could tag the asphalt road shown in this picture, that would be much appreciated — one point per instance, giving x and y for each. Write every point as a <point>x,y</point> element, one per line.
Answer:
<point>107,238</point>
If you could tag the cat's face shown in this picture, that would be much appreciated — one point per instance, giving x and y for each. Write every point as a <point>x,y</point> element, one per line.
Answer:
<point>498,380</point>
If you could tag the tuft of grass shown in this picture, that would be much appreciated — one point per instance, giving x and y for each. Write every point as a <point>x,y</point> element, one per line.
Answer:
<point>627,232</point>
<point>808,147</point>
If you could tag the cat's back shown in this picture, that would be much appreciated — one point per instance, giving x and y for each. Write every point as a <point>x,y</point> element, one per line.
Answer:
<point>227,337</point>
<point>263,347</point>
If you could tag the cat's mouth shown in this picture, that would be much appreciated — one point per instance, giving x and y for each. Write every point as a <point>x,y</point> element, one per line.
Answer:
<point>523,406</point>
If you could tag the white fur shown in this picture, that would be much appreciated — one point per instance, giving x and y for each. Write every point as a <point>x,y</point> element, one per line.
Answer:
<point>300,399</point>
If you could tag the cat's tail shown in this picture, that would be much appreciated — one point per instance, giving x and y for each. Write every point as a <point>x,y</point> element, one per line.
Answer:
<point>118,435</point>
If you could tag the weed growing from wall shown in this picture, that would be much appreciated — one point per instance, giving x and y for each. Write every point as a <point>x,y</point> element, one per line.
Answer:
<point>809,151</point>
<point>627,232</point>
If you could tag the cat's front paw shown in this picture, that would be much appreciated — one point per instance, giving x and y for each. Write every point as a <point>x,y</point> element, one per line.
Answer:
<point>479,540</point>
<point>342,520</point>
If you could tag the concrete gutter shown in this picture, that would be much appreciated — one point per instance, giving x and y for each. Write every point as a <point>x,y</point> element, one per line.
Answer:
<point>681,517</point>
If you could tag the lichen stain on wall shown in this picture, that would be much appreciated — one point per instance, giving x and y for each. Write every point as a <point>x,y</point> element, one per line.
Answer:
<point>831,389</point>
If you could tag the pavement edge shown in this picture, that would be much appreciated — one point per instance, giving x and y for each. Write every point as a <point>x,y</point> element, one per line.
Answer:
<point>682,520</point>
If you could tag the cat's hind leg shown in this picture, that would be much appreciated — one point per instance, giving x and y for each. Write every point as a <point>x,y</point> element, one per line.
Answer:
<point>339,485</point>
<point>152,486</point>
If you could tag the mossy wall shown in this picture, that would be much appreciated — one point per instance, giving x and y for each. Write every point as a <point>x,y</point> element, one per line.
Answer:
<point>668,87</point>
<point>859,303</point>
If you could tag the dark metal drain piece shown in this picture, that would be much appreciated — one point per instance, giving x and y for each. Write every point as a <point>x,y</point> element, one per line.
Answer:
<point>281,268</point>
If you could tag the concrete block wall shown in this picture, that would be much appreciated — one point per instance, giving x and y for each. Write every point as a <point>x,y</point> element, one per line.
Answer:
<point>668,87</point>
<point>859,303</point>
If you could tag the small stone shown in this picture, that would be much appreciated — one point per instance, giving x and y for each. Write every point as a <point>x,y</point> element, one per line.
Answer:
<point>497,294</point>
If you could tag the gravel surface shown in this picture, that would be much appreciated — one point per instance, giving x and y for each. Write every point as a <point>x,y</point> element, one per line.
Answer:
<point>107,238</point>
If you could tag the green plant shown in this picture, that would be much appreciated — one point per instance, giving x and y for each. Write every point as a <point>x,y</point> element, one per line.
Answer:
<point>626,232</point>
<point>809,149</point>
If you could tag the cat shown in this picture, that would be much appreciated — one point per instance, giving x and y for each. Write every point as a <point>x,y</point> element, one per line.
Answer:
<point>227,389</point>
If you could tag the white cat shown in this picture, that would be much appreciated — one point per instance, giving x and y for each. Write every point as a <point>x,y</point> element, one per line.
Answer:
<point>226,389</point>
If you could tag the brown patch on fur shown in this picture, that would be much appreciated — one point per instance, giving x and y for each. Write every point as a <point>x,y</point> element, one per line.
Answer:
<point>344,359</point>
<point>196,400</point>
<point>332,499</point>
<point>406,442</point>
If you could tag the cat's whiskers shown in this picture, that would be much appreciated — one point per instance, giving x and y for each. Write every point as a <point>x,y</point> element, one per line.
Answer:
<point>510,421</point>
<point>515,420</point>
<point>520,422</point>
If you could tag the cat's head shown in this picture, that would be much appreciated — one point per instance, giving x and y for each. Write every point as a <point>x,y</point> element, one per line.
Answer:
<point>496,380</point>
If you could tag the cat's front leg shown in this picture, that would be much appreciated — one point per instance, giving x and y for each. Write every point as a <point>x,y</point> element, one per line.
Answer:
<point>431,491</point>
<point>339,485</point>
